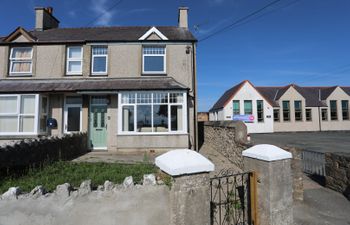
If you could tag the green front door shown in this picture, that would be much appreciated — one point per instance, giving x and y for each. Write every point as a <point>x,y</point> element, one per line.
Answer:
<point>98,127</point>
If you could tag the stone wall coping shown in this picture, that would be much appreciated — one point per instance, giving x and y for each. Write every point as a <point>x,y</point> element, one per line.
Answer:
<point>267,152</point>
<point>227,123</point>
<point>183,161</point>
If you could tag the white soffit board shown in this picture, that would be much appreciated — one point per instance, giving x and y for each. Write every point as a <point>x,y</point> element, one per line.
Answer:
<point>267,153</point>
<point>151,31</point>
<point>183,161</point>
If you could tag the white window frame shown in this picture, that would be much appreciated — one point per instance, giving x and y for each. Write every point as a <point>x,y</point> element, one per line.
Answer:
<point>96,56</point>
<point>19,114</point>
<point>13,60</point>
<point>143,59</point>
<point>43,114</point>
<point>169,132</point>
<point>74,60</point>
<point>66,106</point>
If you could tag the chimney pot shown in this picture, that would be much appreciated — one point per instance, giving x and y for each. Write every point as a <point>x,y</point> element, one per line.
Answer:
<point>183,17</point>
<point>49,10</point>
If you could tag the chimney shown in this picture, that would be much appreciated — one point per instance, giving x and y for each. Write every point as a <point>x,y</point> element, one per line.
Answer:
<point>183,17</point>
<point>44,19</point>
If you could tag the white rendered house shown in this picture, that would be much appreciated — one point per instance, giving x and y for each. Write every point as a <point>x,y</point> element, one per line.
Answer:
<point>244,102</point>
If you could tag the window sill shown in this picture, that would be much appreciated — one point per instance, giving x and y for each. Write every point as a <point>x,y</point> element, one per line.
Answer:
<point>152,134</point>
<point>154,74</point>
<point>20,75</point>
<point>73,74</point>
<point>99,75</point>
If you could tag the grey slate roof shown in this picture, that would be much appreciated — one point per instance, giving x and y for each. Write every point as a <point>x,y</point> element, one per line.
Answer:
<point>73,85</point>
<point>346,89</point>
<point>314,96</point>
<point>105,34</point>
<point>226,97</point>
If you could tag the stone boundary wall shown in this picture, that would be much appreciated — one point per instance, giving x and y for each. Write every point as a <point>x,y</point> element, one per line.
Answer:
<point>297,173</point>
<point>338,172</point>
<point>34,152</point>
<point>228,138</point>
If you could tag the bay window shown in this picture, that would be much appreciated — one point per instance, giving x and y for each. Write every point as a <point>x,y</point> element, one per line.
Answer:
<point>19,114</point>
<point>152,112</point>
<point>21,60</point>
<point>74,60</point>
<point>154,59</point>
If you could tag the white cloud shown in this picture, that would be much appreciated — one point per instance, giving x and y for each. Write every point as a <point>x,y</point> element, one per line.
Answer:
<point>99,7</point>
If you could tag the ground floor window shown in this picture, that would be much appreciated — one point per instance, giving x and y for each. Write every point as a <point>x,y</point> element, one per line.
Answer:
<point>260,110</point>
<point>152,112</point>
<point>276,115</point>
<point>235,107</point>
<point>324,114</point>
<point>298,111</point>
<point>73,114</point>
<point>286,110</point>
<point>308,113</point>
<point>248,107</point>
<point>345,109</point>
<point>334,110</point>
<point>23,114</point>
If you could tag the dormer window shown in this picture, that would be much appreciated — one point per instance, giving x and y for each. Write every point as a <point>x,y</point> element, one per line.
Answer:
<point>21,61</point>
<point>154,60</point>
<point>75,60</point>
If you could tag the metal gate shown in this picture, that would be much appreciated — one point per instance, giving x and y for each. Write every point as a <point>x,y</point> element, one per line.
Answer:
<point>233,198</point>
<point>314,163</point>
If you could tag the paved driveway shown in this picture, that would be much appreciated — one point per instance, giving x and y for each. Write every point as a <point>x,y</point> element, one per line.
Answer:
<point>314,141</point>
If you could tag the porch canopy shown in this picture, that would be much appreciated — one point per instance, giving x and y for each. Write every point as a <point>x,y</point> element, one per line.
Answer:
<point>89,84</point>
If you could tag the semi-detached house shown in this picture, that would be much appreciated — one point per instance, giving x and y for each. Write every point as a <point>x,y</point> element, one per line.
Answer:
<point>289,108</point>
<point>129,88</point>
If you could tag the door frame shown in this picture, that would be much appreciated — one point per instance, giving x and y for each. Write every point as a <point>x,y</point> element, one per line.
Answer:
<point>65,114</point>
<point>89,121</point>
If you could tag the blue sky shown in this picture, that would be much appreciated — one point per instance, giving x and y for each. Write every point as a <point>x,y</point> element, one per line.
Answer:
<point>307,42</point>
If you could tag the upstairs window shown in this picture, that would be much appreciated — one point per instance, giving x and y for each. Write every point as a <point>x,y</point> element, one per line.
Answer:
<point>74,60</point>
<point>153,60</point>
<point>334,111</point>
<point>236,108</point>
<point>345,109</point>
<point>99,60</point>
<point>298,111</point>
<point>260,110</point>
<point>248,107</point>
<point>286,110</point>
<point>21,60</point>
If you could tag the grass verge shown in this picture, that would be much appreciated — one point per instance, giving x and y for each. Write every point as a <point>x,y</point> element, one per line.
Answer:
<point>74,173</point>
